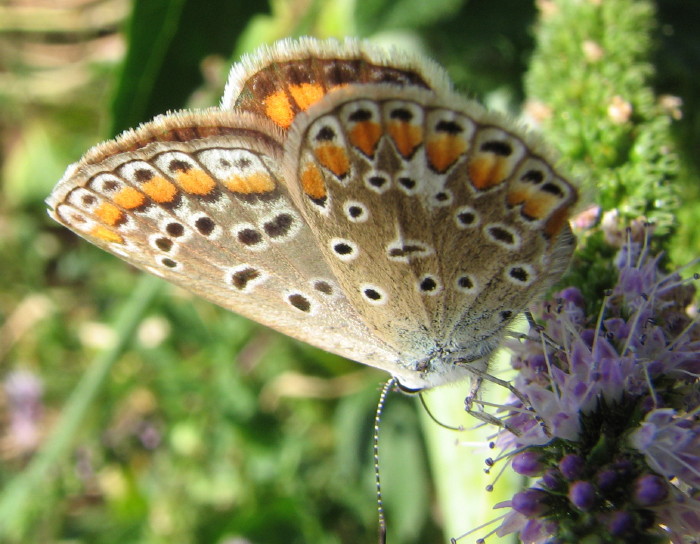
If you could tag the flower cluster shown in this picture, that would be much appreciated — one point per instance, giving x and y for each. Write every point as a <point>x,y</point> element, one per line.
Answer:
<point>607,413</point>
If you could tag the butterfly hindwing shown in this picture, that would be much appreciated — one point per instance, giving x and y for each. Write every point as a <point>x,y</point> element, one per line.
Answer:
<point>280,81</point>
<point>438,224</point>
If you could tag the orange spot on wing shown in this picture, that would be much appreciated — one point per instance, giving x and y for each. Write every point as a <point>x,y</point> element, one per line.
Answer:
<point>516,196</point>
<point>159,190</point>
<point>259,182</point>
<point>129,198</point>
<point>557,221</point>
<point>306,94</point>
<point>109,214</point>
<point>538,206</point>
<point>443,151</point>
<point>486,172</point>
<point>406,137</point>
<point>365,136</point>
<point>279,109</point>
<point>312,181</point>
<point>196,182</point>
<point>334,158</point>
<point>107,235</point>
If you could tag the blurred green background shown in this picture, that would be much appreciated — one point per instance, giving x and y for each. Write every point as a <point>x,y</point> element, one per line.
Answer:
<point>162,418</point>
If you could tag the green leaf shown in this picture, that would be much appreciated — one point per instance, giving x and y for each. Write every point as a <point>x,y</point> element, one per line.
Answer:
<point>377,15</point>
<point>167,41</point>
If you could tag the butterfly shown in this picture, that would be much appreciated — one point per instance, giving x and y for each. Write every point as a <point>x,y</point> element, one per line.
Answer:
<point>341,194</point>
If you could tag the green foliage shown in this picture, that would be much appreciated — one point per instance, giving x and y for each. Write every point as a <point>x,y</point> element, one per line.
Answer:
<point>168,41</point>
<point>168,420</point>
<point>591,70</point>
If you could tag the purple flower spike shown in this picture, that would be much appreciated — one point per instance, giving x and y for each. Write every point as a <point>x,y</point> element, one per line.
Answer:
<point>621,388</point>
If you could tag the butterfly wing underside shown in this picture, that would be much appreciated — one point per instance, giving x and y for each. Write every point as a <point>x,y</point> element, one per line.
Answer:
<point>197,199</point>
<point>439,225</point>
<point>342,195</point>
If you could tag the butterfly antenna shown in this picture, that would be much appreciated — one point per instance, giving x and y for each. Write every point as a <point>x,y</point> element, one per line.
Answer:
<point>377,480</point>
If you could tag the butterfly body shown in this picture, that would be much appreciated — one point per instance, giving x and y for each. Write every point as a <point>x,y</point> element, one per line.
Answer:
<point>344,198</point>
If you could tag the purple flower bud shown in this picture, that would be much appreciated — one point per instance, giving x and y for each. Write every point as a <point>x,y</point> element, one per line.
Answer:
<point>606,479</point>
<point>620,523</point>
<point>530,503</point>
<point>527,463</point>
<point>650,490</point>
<point>582,495</point>
<point>572,466</point>
<point>573,295</point>
<point>552,479</point>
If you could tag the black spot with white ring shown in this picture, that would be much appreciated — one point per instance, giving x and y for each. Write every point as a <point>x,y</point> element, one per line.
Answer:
<point>249,237</point>
<point>325,134</point>
<point>521,274</point>
<point>373,294</point>
<point>88,200</point>
<point>503,235</point>
<point>401,114</point>
<point>553,189</point>
<point>407,184</point>
<point>345,250</point>
<point>406,250</point>
<point>204,225</point>
<point>164,244</point>
<point>377,182</point>
<point>442,198</point>
<point>449,127</point>
<point>360,115</point>
<point>279,226</point>
<point>242,278</point>
<point>355,211</point>
<point>110,186</point>
<point>323,287</point>
<point>497,147</point>
<point>300,302</point>
<point>175,229</point>
<point>429,285</point>
<point>533,176</point>
<point>466,217</point>
<point>465,284</point>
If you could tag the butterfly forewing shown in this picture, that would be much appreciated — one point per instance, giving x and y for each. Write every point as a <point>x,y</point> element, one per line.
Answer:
<point>212,215</point>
